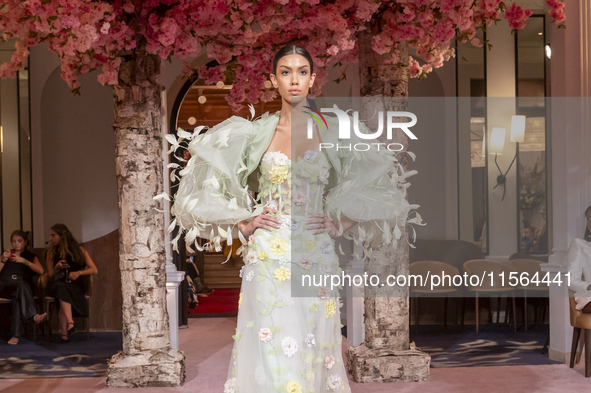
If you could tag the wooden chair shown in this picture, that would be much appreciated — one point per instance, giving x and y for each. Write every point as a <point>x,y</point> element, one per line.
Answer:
<point>580,321</point>
<point>531,267</point>
<point>482,267</point>
<point>87,294</point>
<point>423,268</point>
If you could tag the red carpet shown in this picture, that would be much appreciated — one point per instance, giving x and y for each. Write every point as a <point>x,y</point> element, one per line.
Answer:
<point>222,302</point>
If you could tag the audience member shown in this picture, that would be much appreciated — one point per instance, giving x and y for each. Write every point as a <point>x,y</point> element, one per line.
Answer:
<point>17,270</point>
<point>66,262</point>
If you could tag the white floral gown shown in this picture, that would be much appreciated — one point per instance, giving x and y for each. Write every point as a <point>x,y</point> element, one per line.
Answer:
<point>286,343</point>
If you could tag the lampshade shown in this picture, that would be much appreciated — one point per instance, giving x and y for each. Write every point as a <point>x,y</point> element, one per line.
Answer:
<point>517,128</point>
<point>497,141</point>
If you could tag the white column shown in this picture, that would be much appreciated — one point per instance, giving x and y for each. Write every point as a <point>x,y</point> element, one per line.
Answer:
<point>500,66</point>
<point>173,276</point>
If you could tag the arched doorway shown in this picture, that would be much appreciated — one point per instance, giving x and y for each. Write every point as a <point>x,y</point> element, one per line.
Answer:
<point>211,288</point>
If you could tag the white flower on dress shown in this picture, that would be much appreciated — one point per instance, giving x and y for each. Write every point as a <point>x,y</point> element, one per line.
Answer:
<point>252,258</point>
<point>310,155</point>
<point>265,334</point>
<point>242,270</point>
<point>272,205</point>
<point>323,174</point>
<point>325,266</point>
<point>310,340</point>
<point>305,263</point>
<point>259,375</point>
<point>284,261</point>
<point>285,222</point>
<point>290,346</point>
<point>231,386</point>
<point>280,159</point>
<point>326,246</point>
<point>329,362</point>
<point>249,276</point>
<point>333,382</point>
<point>323,293</point>
<point>299,198</point>
<point>295,224</point>
<point>251,239</point>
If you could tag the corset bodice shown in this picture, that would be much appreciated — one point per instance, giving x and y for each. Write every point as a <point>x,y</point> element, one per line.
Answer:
<point>293,188</point>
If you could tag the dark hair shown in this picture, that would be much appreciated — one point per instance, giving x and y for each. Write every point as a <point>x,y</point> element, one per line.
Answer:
<point>23,234</point>
<point>587,231</point>
<point>67,246</point>
<point>292,49</point>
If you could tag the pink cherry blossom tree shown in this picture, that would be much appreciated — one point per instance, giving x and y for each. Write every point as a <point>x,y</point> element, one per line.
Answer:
<point>127,40</point>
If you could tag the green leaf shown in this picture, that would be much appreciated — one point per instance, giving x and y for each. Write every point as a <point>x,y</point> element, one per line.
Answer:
<point>260,278</point>
<point>258,297</point>
<point>250,324</point>
<point>265,312</point>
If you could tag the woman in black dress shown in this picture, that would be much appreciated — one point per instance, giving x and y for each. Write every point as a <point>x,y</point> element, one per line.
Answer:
<point>17,270</point>
<point>66,262</point>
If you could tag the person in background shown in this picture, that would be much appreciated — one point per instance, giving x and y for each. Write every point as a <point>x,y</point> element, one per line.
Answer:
<point>17,270</point>
<point>67,261</point>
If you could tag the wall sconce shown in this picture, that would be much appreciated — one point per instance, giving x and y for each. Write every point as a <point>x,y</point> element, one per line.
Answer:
<point>497,143</point>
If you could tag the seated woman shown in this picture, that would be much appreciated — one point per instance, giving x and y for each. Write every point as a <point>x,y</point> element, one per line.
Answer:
<point>579,267</point>
<point>66,262</point>
<point>17,269</point>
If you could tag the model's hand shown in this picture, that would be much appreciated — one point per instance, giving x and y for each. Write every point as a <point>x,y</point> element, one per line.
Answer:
<point>263,220</point>
<point>6,256</point>
<point>74,275</point>
<point>320,223</point>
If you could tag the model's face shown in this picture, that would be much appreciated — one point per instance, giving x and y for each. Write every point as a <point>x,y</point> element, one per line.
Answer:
<point>293,77</point>
<point>55,238</point>
<point>18,243</point>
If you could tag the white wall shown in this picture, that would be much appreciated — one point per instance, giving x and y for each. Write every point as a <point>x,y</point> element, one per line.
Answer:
<point>73,153</point>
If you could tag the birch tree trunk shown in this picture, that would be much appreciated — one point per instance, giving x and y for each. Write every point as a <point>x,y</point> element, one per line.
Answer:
<point>147,358</point>
<point>385,354</point>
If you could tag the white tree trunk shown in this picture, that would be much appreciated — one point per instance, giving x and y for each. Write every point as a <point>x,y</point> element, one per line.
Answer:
<point>382,357</point>
<point>147,358</point>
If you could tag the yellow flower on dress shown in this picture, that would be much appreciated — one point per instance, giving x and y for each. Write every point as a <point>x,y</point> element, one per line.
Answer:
<point>330,308</point>
<point>282,273</point>
<point>310,245</point>
<point>240,300</point>
<point>262,255</point>
<point>278,246</point>
<point>278,174</point>
<point>294,387</point>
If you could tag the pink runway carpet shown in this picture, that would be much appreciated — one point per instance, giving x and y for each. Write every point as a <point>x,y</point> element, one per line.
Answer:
<point>208,345</point>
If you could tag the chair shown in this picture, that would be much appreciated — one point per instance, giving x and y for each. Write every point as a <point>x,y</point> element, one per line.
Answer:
<point>579,321</point>
<point>530,267</point>
<point>483,268</point>
<point>423,268</point>
<point>87,294</point>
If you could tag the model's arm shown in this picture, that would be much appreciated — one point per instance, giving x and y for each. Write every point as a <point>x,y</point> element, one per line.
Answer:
<point>263,220</point>
<point>575,268</point>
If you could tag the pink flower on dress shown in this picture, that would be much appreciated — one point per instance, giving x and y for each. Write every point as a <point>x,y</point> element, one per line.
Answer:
<point>299,198</point>
<point>323,293</point>
<point>305,263</point>
<point>329,362</point>
<point>265,334</point>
